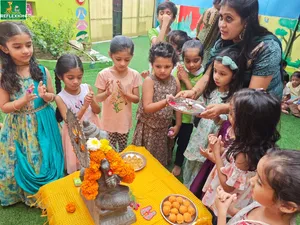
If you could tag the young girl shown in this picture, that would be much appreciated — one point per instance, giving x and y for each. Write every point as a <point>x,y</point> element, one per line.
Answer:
<point>118,87</point>
<point>176,38</point>
<point>254,115</point>
<point>76,96</point>
<point>30,143</point>
<point>192,53</point>
<point>154,117</point>
<point>275,189</point>
<point>223,82</point>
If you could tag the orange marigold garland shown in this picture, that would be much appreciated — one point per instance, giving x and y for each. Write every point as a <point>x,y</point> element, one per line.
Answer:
<point>89,187</point>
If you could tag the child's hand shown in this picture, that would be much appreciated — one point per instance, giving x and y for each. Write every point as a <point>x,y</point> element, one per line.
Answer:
<point>170,98</point>
<point>108,88</point>
<point>88,99</point>
<point>145,74</point>
<point>173,131</point>
<point>217,146</point>
<point>182,74</point>
<point>42,90</point>
<point>166,19</point>
<point>121,88</point>
<point>29,96</point>
<point>224,200</point>
<point>207,153</point>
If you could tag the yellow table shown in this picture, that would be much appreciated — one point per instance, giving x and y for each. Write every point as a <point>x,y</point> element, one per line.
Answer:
<point>151,185</point>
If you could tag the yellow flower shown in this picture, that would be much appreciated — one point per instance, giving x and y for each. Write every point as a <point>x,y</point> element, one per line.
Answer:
<point>93,144</point>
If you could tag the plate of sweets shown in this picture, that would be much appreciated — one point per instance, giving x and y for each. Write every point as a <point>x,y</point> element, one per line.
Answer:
<point>135,159</point>
<point>187,105</point>
<point>178,209</point>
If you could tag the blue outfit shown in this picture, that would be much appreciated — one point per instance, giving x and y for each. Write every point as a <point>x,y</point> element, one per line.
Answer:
<point>31,152</point>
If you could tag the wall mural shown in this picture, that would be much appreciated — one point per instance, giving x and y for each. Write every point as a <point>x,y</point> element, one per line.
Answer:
<point>283,23</point>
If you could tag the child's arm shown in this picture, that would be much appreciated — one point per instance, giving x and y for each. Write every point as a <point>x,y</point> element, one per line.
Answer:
<point>184,77</point>
<point>46,93</point>
<point>103,94</point>
<point>166,22</point>
<point>131,97</point>
<point>223,202</point>
<point>7,106</point>
<point>148,104</point>
<point>94,105</point>
<point>219,164</point>
<point>178,116</point>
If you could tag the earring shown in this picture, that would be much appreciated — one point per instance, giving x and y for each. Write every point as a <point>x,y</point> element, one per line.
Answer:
<point>242,34</point>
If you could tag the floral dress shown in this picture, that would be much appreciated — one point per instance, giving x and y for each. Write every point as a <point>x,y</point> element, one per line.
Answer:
<point>152,128</point>
<point>241,218</point>
<point>31,152</point>
<point>199,138</point>
<point>239,179</point>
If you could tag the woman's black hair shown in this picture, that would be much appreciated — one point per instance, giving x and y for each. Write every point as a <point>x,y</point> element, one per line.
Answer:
<point>248,11</point>
<point>10,80</point>
<point>121,43</point>
<point>178,37</point>
<point>282,173</point>
<point>64,64</point>
<point>193,44</point>
<point>167,5</point>
<point>296,74</point>
<point>163,49</point>
<point>256,115</point>
<point>235,83</point>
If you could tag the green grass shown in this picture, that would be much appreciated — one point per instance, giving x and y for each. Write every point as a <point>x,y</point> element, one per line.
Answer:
<point>21,214</point>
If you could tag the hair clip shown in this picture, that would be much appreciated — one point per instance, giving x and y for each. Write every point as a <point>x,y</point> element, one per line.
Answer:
<point>227,61</point>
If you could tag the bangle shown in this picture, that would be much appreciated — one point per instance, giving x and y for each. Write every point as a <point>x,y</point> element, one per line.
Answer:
<point>51,100</point>
<point>14,106</point>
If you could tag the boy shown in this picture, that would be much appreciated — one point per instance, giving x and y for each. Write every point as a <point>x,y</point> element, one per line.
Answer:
<point>166,13</point>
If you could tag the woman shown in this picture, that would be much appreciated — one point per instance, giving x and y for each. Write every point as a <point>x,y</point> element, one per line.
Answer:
<point>210,31</point>
<point>260,52</point>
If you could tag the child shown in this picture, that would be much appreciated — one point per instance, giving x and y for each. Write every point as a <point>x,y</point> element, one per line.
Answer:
<point>176,38</point>
<point>275,189</point>
<point>76,96</point>
<point>192,53</point>
<point>30,143</point>
<point>294,86</point>
<point>223,82</point>
<point>166,13</point>
<point>254,115</point>
<point>154,117</point>
<point>118,87</point>
<point>286,95</point>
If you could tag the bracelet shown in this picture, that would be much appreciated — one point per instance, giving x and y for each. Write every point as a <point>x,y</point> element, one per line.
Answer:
<point>14,106</point>
<point>51,100</point>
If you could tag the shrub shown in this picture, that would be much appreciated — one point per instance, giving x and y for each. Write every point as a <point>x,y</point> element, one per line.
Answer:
<point>49,38</point>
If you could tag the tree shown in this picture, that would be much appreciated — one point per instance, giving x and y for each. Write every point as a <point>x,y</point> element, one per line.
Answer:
<point>291,26</point>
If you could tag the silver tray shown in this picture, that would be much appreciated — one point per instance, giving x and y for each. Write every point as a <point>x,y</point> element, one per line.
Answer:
<point>195,216</point>
<point>187,106</point>
<point>138,156</point>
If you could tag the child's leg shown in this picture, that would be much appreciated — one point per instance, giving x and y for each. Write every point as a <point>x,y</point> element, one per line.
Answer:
<point>183,138</point>
<point>182,142</point>
<point>113,138</point>
<point>190,171</point>
<point>295,110</point>
<point>122,141</point>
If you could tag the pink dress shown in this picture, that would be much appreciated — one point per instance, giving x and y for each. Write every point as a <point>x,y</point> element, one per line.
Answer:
<point>236,178</point>
<point>116,113</point>
<point>75,102</point>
